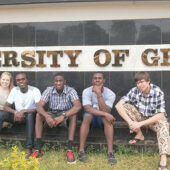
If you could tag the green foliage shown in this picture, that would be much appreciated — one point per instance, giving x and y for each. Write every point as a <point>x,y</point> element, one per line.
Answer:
<point>55,159</point>
<point>17,161</point>
<point>95,149</point>
<point>149,152</point>
<point>7,145</point>
<point>75,149</point>
<point>90,149</point>
<point>104,150</point>
<point>9,125</point>
<point>58,146</point>
<point>122,149</point>
<point>16,143</point>
<point>46,147</point>
<point>2,145</point>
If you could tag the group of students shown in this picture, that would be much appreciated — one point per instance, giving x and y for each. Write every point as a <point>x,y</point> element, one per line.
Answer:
<point>143,105</point>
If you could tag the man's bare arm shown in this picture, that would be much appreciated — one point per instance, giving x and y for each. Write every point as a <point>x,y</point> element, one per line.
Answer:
<point>101,103</point>
<point>108,116</point>
<point>8,108</point>
<point>76,107</point>
<point>40,108</point>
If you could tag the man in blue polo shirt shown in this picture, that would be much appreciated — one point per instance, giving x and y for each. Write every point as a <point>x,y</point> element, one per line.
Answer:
<point>97,102</point>
<point>144,105</point>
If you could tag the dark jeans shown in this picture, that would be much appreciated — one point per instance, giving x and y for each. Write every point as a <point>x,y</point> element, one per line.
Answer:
<point>30,125</point>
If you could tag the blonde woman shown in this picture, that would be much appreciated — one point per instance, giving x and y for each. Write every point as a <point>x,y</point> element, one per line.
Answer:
<point>6,84</point>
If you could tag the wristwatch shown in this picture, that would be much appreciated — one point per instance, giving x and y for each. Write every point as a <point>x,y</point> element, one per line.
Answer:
<point>64,114</point>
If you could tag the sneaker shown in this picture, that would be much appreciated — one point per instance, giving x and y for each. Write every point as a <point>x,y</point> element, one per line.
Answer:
<point>82,157</point>
<point>70,157</point>
<point>111,158</point>
<point>37,154</point>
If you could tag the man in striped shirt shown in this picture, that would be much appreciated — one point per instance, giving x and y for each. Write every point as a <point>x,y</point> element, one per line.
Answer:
<point>144,105</point>
<point>63,102</point>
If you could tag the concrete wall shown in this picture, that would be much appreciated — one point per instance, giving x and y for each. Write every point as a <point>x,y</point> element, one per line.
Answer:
<point>83,24</point>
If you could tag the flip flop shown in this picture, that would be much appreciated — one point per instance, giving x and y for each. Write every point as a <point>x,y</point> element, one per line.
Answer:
<point>136,141</point>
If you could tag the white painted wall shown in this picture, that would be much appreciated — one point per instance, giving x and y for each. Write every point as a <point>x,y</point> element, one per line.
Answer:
<point>84,11</point>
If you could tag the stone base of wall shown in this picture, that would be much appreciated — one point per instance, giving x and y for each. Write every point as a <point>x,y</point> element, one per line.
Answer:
<point>58,136</point>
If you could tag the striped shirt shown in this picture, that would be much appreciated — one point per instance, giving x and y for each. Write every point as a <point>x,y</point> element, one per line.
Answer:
<point>64,101</point>
<point>148,106</point>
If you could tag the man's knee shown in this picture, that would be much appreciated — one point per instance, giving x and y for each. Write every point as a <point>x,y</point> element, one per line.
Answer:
<point>1,116</point>
<point>106,123</point>
<point>87,119</point>
<point>6,116</point>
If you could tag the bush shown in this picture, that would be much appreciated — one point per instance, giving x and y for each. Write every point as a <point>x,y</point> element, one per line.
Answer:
<point>17,161</point>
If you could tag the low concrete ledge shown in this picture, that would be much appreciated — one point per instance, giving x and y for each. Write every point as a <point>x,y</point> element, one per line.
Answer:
<point>59,135</point>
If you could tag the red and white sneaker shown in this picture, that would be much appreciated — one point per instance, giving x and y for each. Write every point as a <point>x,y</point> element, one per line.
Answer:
<point>70,157</point>
<point>37,154</point>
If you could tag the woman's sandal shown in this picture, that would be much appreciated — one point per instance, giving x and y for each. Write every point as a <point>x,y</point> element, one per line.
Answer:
<point>162,167</point>
<point>135,141</point>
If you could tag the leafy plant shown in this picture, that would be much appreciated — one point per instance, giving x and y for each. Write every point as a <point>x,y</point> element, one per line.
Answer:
<point>104,150</point>
<point>90,149</point>
<point>58,146</point>
<point>125,150</point>
<point>17,161</point>
<point>46,146</point>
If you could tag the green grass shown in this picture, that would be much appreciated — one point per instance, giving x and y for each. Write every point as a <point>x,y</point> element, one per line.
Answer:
<point>128,159</point>
<point>98,161</point>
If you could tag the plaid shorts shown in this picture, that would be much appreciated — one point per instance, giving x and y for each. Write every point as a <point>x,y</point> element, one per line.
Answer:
<point>55,114</point>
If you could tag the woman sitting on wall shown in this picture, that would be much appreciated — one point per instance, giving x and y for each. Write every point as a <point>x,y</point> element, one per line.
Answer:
<point>6,84</point>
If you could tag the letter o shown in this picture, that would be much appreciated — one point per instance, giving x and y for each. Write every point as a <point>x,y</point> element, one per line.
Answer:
<point>107,57</point>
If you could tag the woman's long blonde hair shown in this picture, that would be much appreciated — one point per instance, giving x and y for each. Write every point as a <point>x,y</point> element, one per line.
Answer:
<point>11,85</point>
